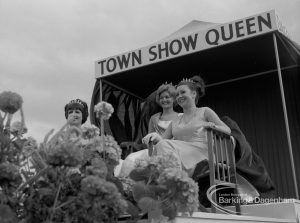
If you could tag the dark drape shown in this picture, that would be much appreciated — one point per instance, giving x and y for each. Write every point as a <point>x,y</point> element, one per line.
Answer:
<point>255,104</point>
<point>248,163</point>
<point>291,81</point>
<point>124,124</point>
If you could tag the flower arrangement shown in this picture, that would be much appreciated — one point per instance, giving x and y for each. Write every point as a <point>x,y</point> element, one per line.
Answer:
<point>75,184</point>
<point>103,110</point>
<point>66,178</point>
<point>10,102</point>
<point>163,189</point>
<point>12,157</point>
<point>69,176</point>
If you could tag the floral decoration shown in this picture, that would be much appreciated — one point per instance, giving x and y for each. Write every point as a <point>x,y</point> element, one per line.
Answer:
<point>89,132</point>
<point>69,176</point>
<point>103,110</point>
<point>163,189</point>
<point>66,178</point>
<point>17,128</point>
<point>103,146</point>
<point>10,102</point>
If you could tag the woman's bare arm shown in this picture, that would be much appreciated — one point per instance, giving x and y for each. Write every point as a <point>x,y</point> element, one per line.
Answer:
<point>211,116</point>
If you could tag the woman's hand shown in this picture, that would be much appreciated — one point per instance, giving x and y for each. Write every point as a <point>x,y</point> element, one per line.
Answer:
<point>213,125</point>
<point>151,137</point>
<point>209,125</point>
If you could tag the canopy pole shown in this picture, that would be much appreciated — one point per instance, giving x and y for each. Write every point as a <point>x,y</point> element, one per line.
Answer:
<point>285,117</point>
<point>100,90</point>
<point>101,119</point>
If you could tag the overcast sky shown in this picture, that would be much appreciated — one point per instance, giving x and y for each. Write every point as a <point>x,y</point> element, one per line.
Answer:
<point>48,48</point>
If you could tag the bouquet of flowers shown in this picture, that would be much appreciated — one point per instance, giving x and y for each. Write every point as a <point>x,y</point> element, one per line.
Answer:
<point>163,189</point>
<point>103,110</point>
<point>76,184</point>
<point>67,178</point>
<point>13,148</point>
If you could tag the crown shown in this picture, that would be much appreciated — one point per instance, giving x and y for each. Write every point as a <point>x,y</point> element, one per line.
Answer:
<point>76,101</point>
<point>187,80</point>
<point>166,83</point>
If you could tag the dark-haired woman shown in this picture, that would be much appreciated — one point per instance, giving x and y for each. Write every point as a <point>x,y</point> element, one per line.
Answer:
<point>186,137</point>
<point>76,112</point>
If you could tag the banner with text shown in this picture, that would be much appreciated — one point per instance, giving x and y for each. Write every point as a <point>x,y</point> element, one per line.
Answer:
<point>187,44</point>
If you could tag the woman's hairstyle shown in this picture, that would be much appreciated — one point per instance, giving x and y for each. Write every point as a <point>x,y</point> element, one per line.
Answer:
<point>77,104</point>
<point>165,87</point>
<point>196,83</point>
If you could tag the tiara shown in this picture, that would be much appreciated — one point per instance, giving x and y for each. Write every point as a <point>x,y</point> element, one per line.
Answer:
<point>187,80</point>
<point>166,83</point>
<point>76,101</point>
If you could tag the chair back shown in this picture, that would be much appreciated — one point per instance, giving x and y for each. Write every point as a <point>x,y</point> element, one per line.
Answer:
<point>222,167</point>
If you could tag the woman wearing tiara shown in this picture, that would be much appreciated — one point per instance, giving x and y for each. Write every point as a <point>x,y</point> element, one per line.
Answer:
<point>165,97</point>
<point>76,113</point>
<point>186,137</point>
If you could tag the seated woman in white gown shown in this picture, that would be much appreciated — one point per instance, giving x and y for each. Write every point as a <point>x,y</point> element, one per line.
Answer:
<point>186,137</point>
<point>165,97</point>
